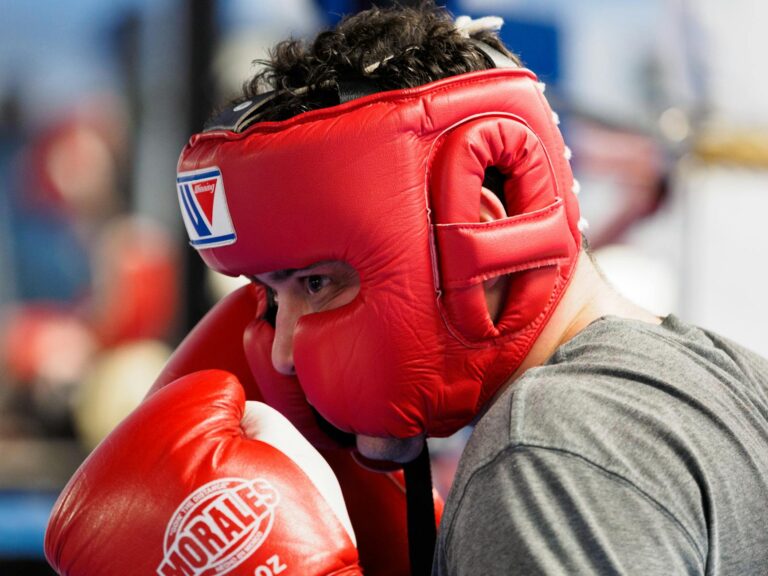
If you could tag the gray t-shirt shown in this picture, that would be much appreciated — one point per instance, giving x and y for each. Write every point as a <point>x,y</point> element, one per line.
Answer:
<point>637,449</point>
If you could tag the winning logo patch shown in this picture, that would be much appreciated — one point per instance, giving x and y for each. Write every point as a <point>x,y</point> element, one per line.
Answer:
<point>204,208</point>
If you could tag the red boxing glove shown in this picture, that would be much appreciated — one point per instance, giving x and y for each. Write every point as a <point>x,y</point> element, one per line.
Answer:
<point>217,342</point>
<point>193,482</point>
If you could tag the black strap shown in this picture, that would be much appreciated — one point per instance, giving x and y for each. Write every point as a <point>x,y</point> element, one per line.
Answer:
<point>240,115</point>
<point>422,532</point>
<point>352,89</point>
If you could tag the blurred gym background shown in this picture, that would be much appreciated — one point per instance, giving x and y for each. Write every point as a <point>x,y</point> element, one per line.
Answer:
<point>663,103</point>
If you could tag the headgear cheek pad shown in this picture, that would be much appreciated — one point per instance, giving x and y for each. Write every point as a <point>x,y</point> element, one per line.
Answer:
<point>391,184</point>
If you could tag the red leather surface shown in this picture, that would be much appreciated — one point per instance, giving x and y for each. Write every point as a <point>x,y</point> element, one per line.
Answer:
<point>369,183</point>
<point>233,337</point>
<point>477,251</point>
<point>122,512</point>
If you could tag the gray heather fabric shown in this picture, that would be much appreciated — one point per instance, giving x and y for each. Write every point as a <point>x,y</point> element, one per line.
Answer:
<point>637,449</point>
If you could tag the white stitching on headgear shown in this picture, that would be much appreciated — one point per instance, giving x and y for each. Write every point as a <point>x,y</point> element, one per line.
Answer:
<point>467,26</point>
<point>576,188</point>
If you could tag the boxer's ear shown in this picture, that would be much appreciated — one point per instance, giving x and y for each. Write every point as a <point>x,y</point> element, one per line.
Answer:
<point>491,207</point>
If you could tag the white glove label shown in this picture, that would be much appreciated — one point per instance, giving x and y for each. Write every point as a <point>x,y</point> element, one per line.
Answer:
<point>273,567</point>
<point>218,527</point>
<point>204,208</point>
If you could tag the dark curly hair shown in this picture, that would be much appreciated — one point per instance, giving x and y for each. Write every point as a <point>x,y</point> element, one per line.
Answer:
<point>407,47</point>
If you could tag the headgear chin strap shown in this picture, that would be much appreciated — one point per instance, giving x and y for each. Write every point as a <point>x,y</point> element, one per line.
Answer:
<point>391,184</point>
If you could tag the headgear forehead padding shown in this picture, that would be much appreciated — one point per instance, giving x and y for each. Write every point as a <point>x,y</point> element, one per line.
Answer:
<point>390,184</point>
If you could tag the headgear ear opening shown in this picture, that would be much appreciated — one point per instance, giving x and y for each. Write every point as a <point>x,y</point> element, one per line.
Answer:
<point>533,236</point>
<point>494,180</point>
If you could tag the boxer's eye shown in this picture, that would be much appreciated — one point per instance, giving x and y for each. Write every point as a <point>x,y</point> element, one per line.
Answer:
<point>315,283</point>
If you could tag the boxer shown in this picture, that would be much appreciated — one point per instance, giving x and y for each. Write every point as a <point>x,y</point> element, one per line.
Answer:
<point>401,197</point>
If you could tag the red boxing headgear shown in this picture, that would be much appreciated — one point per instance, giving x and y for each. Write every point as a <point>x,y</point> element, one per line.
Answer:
<point>391,184</point>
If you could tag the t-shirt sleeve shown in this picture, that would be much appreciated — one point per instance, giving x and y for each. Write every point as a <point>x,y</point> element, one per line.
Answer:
<point>543,511</point>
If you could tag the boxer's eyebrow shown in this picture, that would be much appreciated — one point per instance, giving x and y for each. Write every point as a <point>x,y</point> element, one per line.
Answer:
<point>280,275</point>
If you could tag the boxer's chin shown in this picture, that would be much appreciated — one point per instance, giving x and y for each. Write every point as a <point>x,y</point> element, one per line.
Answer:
<point>383,450</point>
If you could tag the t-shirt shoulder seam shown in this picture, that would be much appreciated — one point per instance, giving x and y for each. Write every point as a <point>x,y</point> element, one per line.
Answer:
<point>614,476</point>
